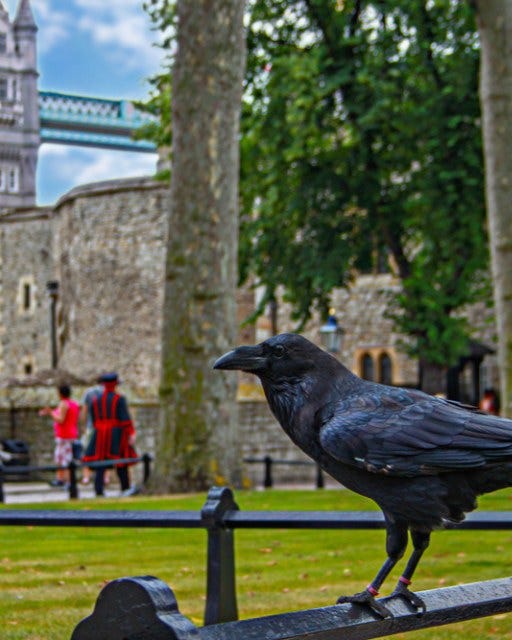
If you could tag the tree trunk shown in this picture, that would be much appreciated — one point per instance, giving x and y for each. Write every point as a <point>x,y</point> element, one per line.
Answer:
<point>495,27</point>
<point>197,442</point>
<point>432,378</point>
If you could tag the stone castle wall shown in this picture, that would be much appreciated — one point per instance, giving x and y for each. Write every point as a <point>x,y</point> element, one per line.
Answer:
<point>105,245</point>
<point>110,250</point>
<point>27,264</point>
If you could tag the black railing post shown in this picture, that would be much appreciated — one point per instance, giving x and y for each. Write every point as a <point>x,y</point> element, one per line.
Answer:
<point>320,484</point>
<point>2,497</point>
<point>267,481</point>
<point>73,486</point>
<point>221,604</point>
<point>146,461</point>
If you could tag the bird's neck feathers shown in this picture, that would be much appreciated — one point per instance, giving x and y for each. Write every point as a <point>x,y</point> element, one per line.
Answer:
<point>285,399</point>
<point>291,398</point>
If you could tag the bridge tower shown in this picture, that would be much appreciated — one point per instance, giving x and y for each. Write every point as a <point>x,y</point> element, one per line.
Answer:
<point>19,113</point>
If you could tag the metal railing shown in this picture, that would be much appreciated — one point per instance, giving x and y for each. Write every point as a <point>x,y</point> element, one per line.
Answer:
<point>269,462</point>
<point>8,471</point>
<point>220,516</point>
<point>153,614</point>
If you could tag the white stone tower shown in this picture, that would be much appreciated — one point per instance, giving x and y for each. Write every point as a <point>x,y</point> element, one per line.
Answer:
<point>19,110</point>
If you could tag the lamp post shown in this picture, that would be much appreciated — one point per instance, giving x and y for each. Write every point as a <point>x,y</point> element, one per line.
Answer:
<point>53,291</point>
<point>331,334</point>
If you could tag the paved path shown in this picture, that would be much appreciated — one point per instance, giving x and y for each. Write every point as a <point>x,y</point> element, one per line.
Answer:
<point>33,492</point>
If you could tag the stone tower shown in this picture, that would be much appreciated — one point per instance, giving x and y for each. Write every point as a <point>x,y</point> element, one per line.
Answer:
<point>19,111</point>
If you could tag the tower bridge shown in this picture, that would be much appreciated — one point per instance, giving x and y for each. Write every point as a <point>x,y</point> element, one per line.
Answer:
<point>29,117</point>
<point>91,122</point>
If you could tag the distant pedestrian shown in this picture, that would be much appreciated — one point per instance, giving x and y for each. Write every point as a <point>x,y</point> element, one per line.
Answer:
<point>489,402</point>
<point>86,422</point>
<point>113,436</point>
<point>65,427</point>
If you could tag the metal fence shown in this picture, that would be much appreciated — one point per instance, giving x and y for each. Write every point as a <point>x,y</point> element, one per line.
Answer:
<point>26,472</point>
<point>269,463</point>
<point>145,608</point>
<point>220,516</point>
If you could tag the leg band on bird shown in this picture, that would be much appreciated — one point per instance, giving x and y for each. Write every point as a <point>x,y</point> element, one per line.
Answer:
<point>383,573</point>
<point>396,543</point>
<point>420,540</point>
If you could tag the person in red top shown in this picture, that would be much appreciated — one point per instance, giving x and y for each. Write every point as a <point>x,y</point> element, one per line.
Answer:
<point>65,427</point>
<point>113,436</point>
<point>490,402</point>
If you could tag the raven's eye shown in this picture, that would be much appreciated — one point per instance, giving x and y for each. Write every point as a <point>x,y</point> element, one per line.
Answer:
<point>279,351</point>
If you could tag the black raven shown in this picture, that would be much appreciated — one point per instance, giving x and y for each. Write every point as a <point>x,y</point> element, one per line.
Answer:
<point>423,459</point>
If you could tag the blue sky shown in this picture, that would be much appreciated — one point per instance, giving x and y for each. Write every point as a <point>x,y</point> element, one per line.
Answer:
<point>102,48</point>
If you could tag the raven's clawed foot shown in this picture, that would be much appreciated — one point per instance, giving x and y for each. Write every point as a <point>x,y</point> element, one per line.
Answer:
<point>411,598</point>
<point>366,598</point>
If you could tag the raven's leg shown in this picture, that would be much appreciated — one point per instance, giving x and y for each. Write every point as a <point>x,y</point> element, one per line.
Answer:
<point>420,540</point>
<point>396,543</point>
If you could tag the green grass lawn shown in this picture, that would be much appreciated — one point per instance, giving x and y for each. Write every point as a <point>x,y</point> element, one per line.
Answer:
<point>50,577</point>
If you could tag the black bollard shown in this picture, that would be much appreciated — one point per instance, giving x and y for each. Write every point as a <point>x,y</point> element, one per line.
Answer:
<point>73,486</point>
<point>320,483</point>
<point>146,461</point>
<point>267,481</point>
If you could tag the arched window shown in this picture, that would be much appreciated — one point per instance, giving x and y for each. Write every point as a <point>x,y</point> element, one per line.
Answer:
<point>367,368</point>
<point>27,366</point>
<point>385,369</point>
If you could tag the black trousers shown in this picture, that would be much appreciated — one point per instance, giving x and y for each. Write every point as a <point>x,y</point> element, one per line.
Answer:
<point>99,479</point>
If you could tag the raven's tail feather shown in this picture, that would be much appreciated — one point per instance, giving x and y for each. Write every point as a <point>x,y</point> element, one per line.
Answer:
<point>491,478</point>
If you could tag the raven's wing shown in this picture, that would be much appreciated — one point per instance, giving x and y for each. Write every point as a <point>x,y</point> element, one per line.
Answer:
<point>406,432</point>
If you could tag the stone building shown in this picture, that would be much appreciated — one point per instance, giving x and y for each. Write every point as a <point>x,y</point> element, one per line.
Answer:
<point>103,245</point>
<point>19,113</point>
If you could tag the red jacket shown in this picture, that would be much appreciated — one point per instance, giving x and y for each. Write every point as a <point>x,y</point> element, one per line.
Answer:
<point>113,428</point>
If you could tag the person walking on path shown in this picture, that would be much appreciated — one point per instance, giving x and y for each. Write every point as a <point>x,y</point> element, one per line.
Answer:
<point>65,426</point>
<point>113,436</point>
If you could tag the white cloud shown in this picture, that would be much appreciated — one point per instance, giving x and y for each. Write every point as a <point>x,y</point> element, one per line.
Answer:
<point>123,29</point>
<point>54,25</point>
<point>120,27</point>
<point>108,165</point>
<point>72,166</point>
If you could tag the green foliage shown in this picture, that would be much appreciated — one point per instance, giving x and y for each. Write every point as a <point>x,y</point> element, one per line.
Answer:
<point>361,142</point>
<point>163,16</point>
<point>361,138</point>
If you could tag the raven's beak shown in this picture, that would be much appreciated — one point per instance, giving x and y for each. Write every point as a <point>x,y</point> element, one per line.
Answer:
<point>242,359</point>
